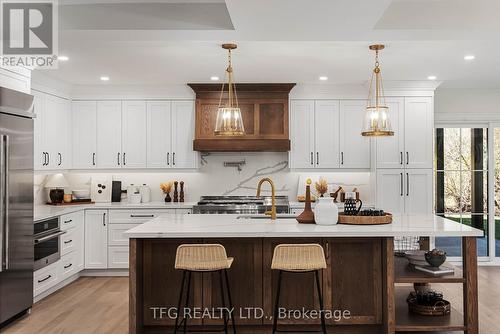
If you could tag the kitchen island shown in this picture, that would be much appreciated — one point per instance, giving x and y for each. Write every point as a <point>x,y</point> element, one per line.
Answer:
<point>362,277</point>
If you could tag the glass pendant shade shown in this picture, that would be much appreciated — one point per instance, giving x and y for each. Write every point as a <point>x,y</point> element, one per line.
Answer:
<point>376,121</point>
<point>229,121</point>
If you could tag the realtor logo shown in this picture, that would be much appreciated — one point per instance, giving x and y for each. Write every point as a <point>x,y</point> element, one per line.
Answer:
<point>29,33</point>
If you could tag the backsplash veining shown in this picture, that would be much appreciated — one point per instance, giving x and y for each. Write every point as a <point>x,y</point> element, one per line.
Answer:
<point>212,178</point>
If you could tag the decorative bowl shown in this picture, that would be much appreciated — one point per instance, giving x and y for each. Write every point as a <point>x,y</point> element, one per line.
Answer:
<point>435,257</point>
<point>81,193</point>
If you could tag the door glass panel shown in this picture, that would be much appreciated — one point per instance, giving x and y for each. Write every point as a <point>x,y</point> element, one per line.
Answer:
<point>461,189</point>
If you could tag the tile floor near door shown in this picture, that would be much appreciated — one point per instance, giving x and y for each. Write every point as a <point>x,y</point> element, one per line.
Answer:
<point>100,305</point>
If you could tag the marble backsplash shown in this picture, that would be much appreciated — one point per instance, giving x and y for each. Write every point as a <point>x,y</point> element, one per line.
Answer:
<point>212,178</point>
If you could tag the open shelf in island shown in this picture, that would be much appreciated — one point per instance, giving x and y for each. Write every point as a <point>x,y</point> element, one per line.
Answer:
<point>404,273</point>
<point>409,322</point>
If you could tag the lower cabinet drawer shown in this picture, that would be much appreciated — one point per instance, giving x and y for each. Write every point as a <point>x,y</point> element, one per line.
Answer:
<point>45,278</point>
<point>68,242</point>
<point>116,236</point>
<point>67,266</point>
<point>118,256</point>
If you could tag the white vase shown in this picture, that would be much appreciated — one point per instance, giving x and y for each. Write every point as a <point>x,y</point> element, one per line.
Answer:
<point>326,212</point>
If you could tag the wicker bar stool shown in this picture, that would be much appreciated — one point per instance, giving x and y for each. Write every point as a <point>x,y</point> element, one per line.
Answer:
<point>203,258</point>
<point>299,258</point>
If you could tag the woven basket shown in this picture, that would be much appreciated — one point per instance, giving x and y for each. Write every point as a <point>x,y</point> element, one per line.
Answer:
<point>441,308</point>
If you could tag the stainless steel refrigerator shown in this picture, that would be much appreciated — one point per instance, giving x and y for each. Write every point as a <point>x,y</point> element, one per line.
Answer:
<point>16,203</point>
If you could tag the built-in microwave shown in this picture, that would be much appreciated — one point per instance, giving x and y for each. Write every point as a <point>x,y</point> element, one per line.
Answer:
<point>47,242</point>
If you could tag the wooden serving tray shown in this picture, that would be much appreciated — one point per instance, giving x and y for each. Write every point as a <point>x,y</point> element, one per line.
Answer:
<point>365,220</point>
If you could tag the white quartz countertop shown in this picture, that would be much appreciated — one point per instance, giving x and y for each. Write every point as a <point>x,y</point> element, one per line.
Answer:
<point>42,212</point>
<point>207,226</point>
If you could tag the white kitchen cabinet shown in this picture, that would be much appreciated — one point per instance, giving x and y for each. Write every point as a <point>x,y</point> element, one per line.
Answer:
<point>52,136</point>
<point>390,151</point>
<point>354,148</point>
<point>418,191</point>
<point>183,114</point>
<point>412,143</point>
<point>118,257</point>
<point>405,191</point>
<point>159,136</point>
<point>302,134</point>
<point>96,239</point>
<point>419,129</point>
<point>109,134</point>
<point>326,133</point>
<point>134,135</point>
<point>84,127</point>
<point>16,78</point>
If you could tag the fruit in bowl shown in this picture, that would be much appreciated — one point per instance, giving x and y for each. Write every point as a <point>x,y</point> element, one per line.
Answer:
<point>435,257</point>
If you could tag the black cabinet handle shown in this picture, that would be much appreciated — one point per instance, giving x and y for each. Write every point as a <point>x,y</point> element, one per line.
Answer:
<point>69,241</point>
<point>173,158</point>
<point>317,158</point>
<point>48,158</point>
<point>341,158</point>
<point>44,159</point>
<point>407,158</point>
<point>327,250</point>
<point>168,158</point>
<point>312,162</point>
<point>43,280</point>
<point>69,265</point>
<point>401,183</point>
<point>400,158</point>
<point>60,159</point>
<point>124,159</point>
<point>142,216</point>
<point>407,184</point>
<point>93,159</point>
<point>104,219</point>
<point>68,221</point>
<point>118,159</point>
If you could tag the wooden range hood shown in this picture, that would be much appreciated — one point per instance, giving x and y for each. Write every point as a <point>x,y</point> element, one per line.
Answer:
<point>264,109</point>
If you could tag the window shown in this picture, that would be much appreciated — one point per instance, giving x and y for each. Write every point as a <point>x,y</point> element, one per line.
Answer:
<point>461,182</point>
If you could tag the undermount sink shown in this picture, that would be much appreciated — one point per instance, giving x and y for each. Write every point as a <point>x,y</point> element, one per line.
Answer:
<point>261,216</point>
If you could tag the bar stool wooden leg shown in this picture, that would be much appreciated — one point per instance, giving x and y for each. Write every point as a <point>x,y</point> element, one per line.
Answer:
<point>223,311</point>
<point>187,301</point>
<point>230,302</point>
<point>180,301</point>
<point>320,297</point>
<point>276,304</point>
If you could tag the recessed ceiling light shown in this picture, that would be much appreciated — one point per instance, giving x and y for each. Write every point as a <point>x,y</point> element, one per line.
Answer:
<point>104,78</point>
<point>63,58</point>
<point>469,57</point>
<point>432,77</point>
<point>214,78</point>
<point>323,78</point>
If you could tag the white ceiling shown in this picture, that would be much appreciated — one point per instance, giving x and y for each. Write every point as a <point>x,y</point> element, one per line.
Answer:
<point>279,41</point>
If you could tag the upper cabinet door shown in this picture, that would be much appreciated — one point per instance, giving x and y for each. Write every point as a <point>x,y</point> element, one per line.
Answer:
<point>354,148</point>
<point>419,124</point>
<point>56,121</point>
<point>390,150</point>
<point>390,190</point>
<point>84,134</point>
<point>418,191</point>
<point>326,134</point>
<point>134,135</point>
<point>109,134</point>
<point>183,155</point>
<point>302,134</point>
<point>159,138</point>
<point>40,157</point>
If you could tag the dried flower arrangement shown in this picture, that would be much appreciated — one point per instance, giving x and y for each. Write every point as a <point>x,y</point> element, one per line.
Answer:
<point>321,186</point>
<point>166,187</point>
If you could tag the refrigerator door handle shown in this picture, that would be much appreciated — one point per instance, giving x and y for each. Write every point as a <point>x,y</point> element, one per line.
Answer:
<point>4,191</point>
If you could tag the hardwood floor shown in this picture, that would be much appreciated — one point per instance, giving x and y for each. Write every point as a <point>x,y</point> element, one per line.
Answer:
<point>100,305</point>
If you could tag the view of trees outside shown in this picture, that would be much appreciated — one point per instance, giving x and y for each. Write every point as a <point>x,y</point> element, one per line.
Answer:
<point>458,176</point>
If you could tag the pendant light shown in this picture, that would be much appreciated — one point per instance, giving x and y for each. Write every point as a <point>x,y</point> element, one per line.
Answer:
<point>229,121</point>
<point>376,121</point>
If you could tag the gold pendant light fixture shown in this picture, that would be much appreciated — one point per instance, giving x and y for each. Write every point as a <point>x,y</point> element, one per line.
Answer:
<point>229,121</point>
<point>376,121</point>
